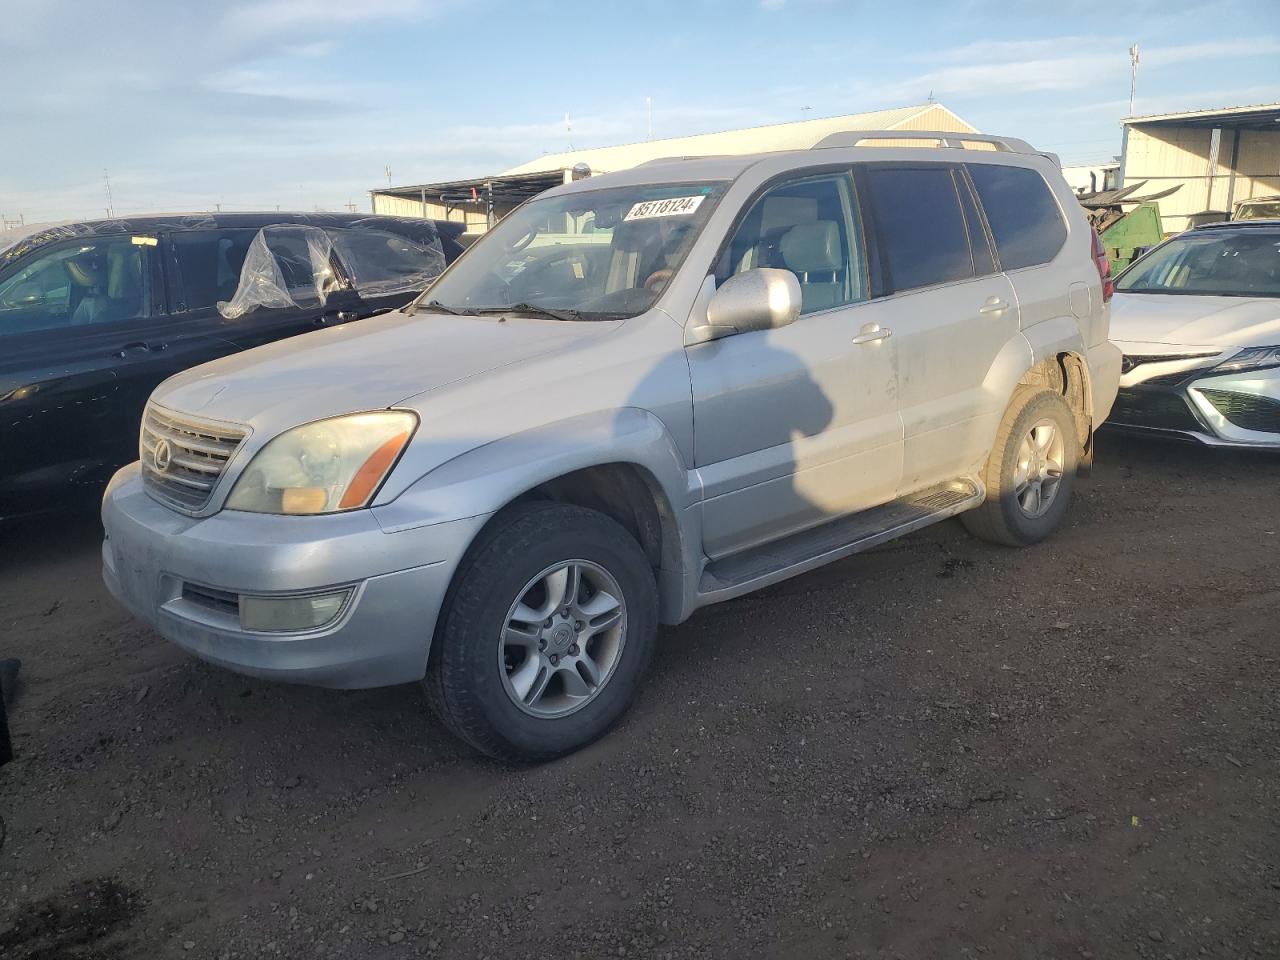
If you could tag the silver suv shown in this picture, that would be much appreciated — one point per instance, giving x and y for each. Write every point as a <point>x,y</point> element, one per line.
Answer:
<point>639,394</point>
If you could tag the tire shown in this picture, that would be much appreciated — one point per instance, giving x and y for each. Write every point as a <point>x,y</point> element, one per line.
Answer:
<point>1004,517</point>
<point>474,678</point>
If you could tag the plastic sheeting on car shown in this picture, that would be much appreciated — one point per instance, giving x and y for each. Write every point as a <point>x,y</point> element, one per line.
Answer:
<point>293,265</point>
<point>287,265</point>
<point>16,243</point>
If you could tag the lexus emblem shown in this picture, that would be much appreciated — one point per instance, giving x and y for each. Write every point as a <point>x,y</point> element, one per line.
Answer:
<point>162,456</point>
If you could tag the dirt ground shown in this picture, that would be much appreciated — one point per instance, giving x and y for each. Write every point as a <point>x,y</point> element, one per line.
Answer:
<point>937,749</point>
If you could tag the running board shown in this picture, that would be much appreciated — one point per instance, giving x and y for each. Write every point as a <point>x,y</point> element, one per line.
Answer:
<point>770,563</point>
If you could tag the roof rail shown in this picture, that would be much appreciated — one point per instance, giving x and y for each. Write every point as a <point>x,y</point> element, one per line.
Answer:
<point>942,139</point>
<point>691,156</point>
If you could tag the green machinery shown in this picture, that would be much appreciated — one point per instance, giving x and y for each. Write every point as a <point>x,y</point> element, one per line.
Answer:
<point>1133,233</point>
<point>1128,225</point>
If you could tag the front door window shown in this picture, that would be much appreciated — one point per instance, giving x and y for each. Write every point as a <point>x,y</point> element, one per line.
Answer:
<point>81,283</point>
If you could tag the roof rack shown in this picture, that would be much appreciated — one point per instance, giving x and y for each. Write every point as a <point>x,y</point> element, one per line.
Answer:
<point>690,156</point>
<point>941,138</point>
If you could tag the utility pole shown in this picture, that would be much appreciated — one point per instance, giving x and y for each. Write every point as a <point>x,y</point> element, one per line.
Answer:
<point>110,206</point>
<point>1133,75</point>
<point>648,103</point>
<point>387,171</point>
<point>568,130</point>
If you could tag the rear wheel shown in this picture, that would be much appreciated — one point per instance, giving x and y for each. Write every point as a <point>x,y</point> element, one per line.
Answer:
<point>546,634</point>
<point>1030,473</point>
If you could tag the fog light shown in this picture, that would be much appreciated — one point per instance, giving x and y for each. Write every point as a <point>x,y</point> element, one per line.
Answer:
<point>291,614</point>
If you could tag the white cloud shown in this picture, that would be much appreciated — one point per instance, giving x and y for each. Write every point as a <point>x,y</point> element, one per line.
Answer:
<point>272,18</point>
<point>1255,47</point>
<point>989,68</point>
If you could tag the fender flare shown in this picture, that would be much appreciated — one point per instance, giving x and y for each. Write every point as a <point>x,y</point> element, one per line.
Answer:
<point>483,480</point>
<point>1029,348</point>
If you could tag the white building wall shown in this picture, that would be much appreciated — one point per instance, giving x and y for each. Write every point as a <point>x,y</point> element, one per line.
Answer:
<point>1166,156</point>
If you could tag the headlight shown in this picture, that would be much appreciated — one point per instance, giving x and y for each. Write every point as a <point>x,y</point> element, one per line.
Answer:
<point>1251,358</point>
<point>326,466</point>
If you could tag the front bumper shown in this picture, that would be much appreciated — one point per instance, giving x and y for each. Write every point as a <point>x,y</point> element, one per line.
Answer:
<point>1225,409</point>
<point>155,561</point>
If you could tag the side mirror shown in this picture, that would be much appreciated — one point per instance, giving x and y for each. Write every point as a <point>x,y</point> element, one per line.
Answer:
<point>762,299</point>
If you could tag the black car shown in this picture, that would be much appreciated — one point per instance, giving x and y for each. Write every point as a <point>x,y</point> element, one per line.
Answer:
<point>94,315</point>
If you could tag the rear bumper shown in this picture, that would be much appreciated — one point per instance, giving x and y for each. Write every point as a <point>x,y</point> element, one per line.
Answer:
<point>1104,377</point>
<point>152,556</point>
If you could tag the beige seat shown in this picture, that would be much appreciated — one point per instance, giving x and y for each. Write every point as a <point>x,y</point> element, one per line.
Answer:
<point>812,252</point>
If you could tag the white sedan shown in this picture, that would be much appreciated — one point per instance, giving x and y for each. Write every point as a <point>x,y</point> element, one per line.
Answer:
<point>1198,321</point>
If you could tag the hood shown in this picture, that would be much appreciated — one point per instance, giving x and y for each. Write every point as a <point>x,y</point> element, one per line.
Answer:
<point>1191,321</point>
<point>365,365</point>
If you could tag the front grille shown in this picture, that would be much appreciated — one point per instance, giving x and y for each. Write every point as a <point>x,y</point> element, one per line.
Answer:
<point>1130,362</point>
<point>1155,409</point>
<point>183,457</point>
<point>1246,410</point>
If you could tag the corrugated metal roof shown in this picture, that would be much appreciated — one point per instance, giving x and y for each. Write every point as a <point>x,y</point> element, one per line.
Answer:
<point>526,185</point>
<point>800,135</point>
<point>1257,113</point>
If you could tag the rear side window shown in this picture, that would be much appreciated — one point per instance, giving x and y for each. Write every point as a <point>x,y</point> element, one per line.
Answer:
<point>1024,217</point>
<point>375,256</point>
<point>209,263</point>
<point>923,235</point>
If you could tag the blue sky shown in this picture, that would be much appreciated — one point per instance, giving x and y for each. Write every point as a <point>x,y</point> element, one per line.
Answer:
<point>302,103</point>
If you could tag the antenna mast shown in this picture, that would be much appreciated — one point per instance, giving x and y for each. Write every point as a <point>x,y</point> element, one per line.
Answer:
<point>1133,75</point>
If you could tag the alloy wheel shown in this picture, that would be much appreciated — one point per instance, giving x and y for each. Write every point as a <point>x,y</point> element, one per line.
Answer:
<point>562,639</point>
<point>1038,471</point>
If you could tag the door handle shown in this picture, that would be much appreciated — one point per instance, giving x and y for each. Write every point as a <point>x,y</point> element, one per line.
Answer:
<point>993,305</point>
<point>871,332</point>
<point>136,346</point>
<point>140,347</point>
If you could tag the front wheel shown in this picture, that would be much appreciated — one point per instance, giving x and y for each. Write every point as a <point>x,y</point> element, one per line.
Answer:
<point>1030,472</point>
<point>546,634</point>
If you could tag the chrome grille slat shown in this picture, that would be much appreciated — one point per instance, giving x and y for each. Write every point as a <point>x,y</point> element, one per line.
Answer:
<point>198,451</point>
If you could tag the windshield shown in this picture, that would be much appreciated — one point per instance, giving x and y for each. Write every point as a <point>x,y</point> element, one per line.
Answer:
<point>590,255</point>
<point>1227,263</point>
<point>1266,210</point>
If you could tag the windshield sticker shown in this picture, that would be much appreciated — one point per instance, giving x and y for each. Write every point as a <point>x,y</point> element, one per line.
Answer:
<point>671,207</point>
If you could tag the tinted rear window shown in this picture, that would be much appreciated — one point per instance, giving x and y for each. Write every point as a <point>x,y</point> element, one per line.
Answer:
<point>373,256</point>
<point>1022,213</point>
<point>922,232</point>
<point>209,263</point>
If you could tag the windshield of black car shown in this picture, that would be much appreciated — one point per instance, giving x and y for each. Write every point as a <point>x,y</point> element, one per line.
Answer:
<point>601,254</point>
<point>1228,263</point>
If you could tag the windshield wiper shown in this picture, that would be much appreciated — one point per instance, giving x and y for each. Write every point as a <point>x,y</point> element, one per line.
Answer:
<point>439,307</point>
<point>554,313</point>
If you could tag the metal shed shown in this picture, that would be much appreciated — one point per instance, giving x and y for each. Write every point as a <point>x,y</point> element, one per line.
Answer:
<point>1216,158</point>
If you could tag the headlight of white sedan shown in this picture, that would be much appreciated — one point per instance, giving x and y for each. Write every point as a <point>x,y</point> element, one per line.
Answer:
<point>324,467</point>
<point>1251,358</point>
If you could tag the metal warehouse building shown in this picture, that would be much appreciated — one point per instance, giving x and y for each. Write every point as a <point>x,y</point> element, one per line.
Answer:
<point>1216,158</point>
<point>481,201</point>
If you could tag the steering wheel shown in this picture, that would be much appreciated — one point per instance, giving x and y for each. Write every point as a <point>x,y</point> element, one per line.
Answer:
<point>658,279</point>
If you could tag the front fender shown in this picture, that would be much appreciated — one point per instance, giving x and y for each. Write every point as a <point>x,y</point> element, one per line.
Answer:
<point>485,479</point>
